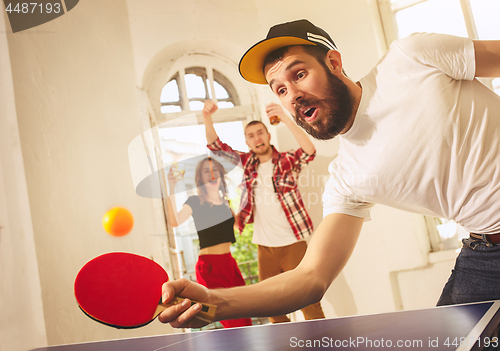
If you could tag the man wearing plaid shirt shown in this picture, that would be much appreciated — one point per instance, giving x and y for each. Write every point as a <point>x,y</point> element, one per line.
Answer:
<point>271,199</point>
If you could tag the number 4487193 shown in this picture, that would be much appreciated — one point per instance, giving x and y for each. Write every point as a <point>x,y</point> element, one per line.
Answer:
<point>33,7</point>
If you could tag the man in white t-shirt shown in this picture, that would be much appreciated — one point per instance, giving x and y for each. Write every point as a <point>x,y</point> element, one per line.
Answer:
<point>419,133</point>
<point>271,198</point>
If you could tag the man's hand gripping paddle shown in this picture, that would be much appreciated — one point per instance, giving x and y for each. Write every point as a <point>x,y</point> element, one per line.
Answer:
<point>123,290</point>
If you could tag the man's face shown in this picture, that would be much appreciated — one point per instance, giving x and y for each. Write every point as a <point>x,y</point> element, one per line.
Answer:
<point>258,138</point>
<point>319,100</point>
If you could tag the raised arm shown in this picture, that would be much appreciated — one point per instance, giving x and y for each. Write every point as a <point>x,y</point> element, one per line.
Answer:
<point>175,217</point>
<point>209,109</point>
<point>300,135</point>
<point>487,54</point>
<point>326,256</point>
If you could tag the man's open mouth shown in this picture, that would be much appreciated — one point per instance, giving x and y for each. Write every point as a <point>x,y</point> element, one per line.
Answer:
<point>309,113</point>
<point>259,145</point>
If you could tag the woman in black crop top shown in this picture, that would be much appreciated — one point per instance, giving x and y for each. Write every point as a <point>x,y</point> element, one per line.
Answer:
<point>214,221</point>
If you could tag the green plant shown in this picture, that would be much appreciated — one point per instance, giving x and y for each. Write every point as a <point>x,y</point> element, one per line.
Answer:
<point>244,251</point>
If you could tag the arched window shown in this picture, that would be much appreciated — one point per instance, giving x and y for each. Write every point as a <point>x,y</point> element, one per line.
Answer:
<point>195,77</point>
<point>197,85</point>
<point>176,97</point>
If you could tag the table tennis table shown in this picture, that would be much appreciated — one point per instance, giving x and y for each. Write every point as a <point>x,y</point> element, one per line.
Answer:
<point>458,327</point>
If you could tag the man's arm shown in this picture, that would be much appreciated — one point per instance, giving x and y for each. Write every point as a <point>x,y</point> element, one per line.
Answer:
<point>305,143</point>
<point>487,54</point>
<point>213,142</point>
<point>328,252</point>
<point>209,109</point>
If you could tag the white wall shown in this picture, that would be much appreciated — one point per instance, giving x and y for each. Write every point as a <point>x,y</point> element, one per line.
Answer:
<point>77,111</point>
<point>75,85</point>
<point>21,303</point>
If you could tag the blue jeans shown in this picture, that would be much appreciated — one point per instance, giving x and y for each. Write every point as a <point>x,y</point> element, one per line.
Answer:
<point>476,276</point>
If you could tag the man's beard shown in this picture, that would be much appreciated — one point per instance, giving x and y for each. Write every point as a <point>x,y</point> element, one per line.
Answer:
<point>263,151</point>
<point>338,109</point>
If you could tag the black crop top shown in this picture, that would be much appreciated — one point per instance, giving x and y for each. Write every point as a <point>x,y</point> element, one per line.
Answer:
<point>214,223</point>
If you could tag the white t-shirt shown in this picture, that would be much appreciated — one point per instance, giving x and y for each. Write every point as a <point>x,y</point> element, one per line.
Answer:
<point>426,138</point>
<point>270,228</point>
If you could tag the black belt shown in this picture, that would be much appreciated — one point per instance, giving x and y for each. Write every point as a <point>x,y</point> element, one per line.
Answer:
<point>492,238</point>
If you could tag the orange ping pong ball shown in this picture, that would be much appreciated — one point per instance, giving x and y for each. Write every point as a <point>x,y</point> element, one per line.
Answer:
<point>118,221</point>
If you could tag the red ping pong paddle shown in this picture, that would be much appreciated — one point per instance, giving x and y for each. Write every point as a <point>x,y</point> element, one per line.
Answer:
<point>123,290</point>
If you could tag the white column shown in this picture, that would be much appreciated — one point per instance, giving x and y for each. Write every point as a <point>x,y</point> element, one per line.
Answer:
<point>22,324</point>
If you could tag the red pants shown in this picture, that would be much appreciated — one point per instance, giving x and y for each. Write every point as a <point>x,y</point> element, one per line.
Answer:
<point>221,271</point>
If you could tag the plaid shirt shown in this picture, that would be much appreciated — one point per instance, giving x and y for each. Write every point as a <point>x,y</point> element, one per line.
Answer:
<point>287,166</point>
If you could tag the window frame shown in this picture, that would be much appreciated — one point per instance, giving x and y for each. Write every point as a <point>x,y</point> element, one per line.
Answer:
<point>388,12</point>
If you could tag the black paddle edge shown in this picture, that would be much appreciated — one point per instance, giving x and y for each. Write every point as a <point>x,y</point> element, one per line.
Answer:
<point>113,325</point>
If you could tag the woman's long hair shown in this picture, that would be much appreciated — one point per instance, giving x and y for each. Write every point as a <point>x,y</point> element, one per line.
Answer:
<point>202,191</point>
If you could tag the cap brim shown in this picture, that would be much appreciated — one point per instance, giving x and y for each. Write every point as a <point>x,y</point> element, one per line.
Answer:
<point>251,64</point>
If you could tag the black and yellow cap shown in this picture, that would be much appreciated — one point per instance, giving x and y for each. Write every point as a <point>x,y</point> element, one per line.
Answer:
<point>300,32</point>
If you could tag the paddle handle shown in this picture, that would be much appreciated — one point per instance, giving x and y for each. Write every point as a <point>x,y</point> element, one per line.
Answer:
<point>206,314</point>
